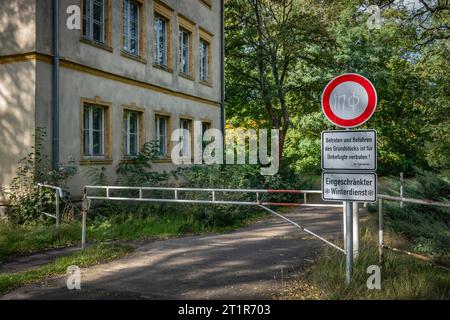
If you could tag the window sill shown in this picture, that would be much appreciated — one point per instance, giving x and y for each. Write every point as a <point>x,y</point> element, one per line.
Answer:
<point>186,76</point>
<point>206,4</point>
<point>162,67</point>
<point>131,56</point>
<point>87,161</point>
<point>162,160</point>
<point>206,83</point>
<point>128,160</point>
<point>96,44</point>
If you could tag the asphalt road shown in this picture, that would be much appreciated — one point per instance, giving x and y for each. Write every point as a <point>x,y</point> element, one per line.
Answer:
<point>251,263</point>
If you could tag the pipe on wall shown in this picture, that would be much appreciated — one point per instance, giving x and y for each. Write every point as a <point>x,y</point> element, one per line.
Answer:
<point>55,87</point>
<point>222,72</point>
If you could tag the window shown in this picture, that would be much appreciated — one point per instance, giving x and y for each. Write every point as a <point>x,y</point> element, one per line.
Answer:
<point>131,27</point>
<point>204,61</point>
<point>93,130</point>
<point>205,126</point>
<point>131,125</point>
<point>161,134</point>
<point>206,39</point>
<point>160,37</point>
<point>94,20</point>
<point>184,47</point>
<point>185,138</point>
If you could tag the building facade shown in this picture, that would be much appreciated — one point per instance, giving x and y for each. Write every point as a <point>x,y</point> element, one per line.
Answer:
<point>134,71</point>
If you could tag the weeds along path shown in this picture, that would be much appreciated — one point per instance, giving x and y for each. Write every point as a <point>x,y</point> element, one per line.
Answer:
<point>250,263</point>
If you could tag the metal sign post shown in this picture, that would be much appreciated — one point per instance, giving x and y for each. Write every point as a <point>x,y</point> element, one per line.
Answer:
<point>348,242</point>
<point>349,157</point>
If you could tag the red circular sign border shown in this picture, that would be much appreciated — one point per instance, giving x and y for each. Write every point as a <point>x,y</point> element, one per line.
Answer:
<point>369,109</point>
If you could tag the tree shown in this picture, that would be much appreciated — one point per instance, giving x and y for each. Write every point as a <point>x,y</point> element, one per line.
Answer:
<point>267,40</point>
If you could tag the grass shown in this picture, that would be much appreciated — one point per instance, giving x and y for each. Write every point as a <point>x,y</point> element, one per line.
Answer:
<point>25,239</point>
<point>94,255</point>
<point>427,228</point>
<point>402,277</point>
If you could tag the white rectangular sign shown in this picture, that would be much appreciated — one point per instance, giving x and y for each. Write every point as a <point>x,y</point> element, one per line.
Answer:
<point>349,150</point>
<point>349,186</point>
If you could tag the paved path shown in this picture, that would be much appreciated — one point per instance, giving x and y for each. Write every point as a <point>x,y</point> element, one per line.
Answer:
<point>251,263</point>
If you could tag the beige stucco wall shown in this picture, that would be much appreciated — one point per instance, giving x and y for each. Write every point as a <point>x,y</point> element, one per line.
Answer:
<point>76,85</point>
<point>73,49</point>
<point>26,89</point>
<point>17,26</point>
<point>17,116</point>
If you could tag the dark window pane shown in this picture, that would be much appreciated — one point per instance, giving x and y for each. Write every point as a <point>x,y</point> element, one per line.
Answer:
<point>97,119</point>
<point>97,33</point>
<point>86,142</point>
<point>97,143</point>
<point>98,11</point>
<point>133,144</point>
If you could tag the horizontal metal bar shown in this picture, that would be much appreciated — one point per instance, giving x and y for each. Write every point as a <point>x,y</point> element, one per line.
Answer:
<point>302,228</point>
<point>417,256</point>
<point>416,201</point>
<point>60,190</point>
<point>224,202</point>
<point>290,204</point>
<point>292,191</point>
<point>49,215</point>
<point>202,189</point>
<point>173,200</point>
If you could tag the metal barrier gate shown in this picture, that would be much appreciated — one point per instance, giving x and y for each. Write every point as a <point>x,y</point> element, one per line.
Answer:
<point>87,198</point>
<point>58,195</point>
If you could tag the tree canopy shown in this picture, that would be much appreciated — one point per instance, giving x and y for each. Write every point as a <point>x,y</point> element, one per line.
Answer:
<point>281,53</point>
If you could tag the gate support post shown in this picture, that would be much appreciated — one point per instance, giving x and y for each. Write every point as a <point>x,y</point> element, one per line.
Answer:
<point>349,242</point>
<point>355,231</point>
<point>380,230</point>
<point>84,210</point>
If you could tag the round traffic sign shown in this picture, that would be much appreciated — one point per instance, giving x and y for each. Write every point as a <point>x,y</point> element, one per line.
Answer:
<point>349,100</point>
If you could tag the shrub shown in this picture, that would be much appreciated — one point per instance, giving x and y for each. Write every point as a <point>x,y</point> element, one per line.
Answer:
<point>28,204</point>
<point>427,227</point>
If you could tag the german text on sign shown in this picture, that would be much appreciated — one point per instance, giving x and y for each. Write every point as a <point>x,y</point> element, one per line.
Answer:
<point>349,150</point>
<point>360,187</point>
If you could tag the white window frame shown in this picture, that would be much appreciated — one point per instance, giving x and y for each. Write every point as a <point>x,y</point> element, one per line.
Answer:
<point>128,133</point>
<point>127,38</point>
<point>89,17</point>
<point>162,134</point>
<point>184,35</point>
<point>157,32</point>
<point>90,130</point>
<point>204,60</point>
<point>185,140</point>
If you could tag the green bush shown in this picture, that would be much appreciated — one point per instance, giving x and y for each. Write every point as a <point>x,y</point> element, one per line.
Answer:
<point>27,201</point>
<point>427,227</point>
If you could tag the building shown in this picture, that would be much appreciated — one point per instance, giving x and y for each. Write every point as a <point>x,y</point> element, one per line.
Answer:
<point>134,70</point>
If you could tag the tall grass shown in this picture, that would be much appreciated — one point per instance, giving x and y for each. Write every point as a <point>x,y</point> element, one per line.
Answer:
<point>24,239</point>
<point>427,227</point>
<point>402,277</point>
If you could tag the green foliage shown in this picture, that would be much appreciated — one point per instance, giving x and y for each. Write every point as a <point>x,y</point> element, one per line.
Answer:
<point>406,60</point>
<point>97,175</point>
<point>427,227</point>
<point>138,171</point>
<point>402,277</point>
<point>25,239</point>
<point>234,177</point>
<point>28,204</point>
